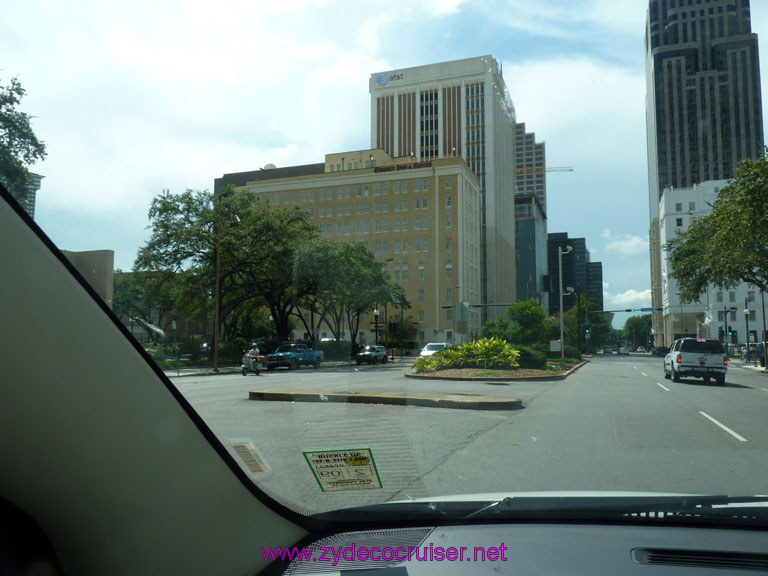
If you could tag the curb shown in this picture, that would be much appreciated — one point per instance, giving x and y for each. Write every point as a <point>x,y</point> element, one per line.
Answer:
<point>455,401</point>
<point>553,378</point>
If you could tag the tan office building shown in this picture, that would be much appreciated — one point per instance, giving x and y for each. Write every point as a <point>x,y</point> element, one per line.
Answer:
<point>421,219</point>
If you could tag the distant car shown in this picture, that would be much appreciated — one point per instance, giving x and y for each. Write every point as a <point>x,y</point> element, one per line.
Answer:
<point>641,349</point>
<point>432,347</point>
<point>371,355</point>
<point>607,350</point>
<point>623,351</point>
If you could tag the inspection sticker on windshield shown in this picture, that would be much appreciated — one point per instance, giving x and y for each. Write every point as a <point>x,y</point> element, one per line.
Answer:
<point>352,469</point>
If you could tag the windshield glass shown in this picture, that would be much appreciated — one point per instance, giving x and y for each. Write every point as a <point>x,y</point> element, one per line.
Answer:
<point>501,184</point>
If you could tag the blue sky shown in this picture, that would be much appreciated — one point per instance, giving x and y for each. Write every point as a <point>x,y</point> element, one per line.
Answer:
<point>131,98</point>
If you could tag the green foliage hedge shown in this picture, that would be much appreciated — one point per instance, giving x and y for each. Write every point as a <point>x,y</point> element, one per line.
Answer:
<point>485,353</point>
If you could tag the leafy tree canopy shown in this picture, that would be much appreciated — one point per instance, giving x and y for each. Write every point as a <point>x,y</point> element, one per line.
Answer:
<point>19,147</point>
<point>728,246</point>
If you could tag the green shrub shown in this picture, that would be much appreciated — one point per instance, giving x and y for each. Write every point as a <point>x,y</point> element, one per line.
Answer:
<point>485,353</point>
<point>531,357</point>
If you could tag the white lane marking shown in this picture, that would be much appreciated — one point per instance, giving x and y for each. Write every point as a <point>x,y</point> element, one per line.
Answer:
<point>724,427</point>
<point>644,374</point>
<point>766,389</point>
<point>635,367</point>
<point>662,385</point>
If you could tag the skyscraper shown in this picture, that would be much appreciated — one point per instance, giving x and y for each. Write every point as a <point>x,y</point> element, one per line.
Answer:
<point>703,101</point>
<point>460,108</point>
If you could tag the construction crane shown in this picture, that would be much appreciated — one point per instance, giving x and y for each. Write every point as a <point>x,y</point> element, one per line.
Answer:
<point>542,169</point>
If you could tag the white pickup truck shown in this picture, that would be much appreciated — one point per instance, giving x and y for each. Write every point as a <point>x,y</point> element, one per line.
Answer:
<point>697,357</point>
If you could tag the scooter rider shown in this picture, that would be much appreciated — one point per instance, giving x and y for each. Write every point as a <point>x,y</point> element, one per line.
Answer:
<point>253,354</point>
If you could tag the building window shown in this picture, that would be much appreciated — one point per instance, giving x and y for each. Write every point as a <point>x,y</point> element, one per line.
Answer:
<point>449,315</point>
<point>421,296</point>
<point>346,228</point>
<point>417,186</point>
<point>404,188</point>
<point>405,246</point>
<point>751,296</point>
<point>405,271</point>
<point>377,190</point>
<point>397,224</point>
<point>397,246</point>
<point>691,206</point>
<point>733,315</point>
<point>397,272</point>
<point>447,182</point>
<point>365,190</point>
<point>327,229</point>
<point>678,222</point>
<point>311,212</point>
<point>425,245</point>
<point>377,207</point>
<point>386,224</point>
<point>448,201</point>
<point>293,196</point>
<point>719,315</point>
<point>753,315</point>
<point>405,224</point>
<point>425,185</point>
<point>346,192</point>
<point>405,204</point>
<point>358,207</point>
<point>385,206</point>
<point>365,226</point>
<point>311,195</point>
<point>449,295</point>
<point>303,195</point>
<point>448,220</point>
<point>358,227</point>
<point>358,190</point>
<point>425,222</point>
<point>416,203</point>
<point>417,245</point>
<point>365,207</point>
<point>378,225</point>
<point>384,188</point>
<point>338,167</point>
<point>357,165</point>
<point>397,187</point>
<point>397,205</point>
<point>378,246</point>
<point>448,243</point>
<point>719,296</point>
<point>348,209</point>
<point>339,228</point>
<point>385,247</point>
<point>421,315</point>
<point>421,270</point>
<point>731,296</point>
<point>322,211</point>
<point>417,222</point>
<point>679,207</point>
<point>424,202</point>
<point>449,269</point>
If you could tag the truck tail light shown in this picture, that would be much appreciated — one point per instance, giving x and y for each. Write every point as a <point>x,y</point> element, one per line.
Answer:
<point>725,360</point>
<point>679,359</point>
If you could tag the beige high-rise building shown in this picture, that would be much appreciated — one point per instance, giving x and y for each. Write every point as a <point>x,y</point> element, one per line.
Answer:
<point>459,108</point>
<point>420,218</point>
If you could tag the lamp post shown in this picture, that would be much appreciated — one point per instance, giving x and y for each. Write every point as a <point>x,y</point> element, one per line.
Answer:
<point>376,326</point>
<point>560,270</point>
<point>746,319</point>
<point>217,293</point>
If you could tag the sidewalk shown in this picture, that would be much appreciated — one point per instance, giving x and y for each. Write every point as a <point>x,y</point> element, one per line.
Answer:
<point>182,372</point>
<point>746,365</point>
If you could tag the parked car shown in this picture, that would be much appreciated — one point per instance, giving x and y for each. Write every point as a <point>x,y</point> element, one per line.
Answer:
<point>697,357</point>
<point>433,347</point>
<point>292,356</point>
<point>371,355</point>
<point>607,350</point>
<point>641,349</point>
<point>623,351</point>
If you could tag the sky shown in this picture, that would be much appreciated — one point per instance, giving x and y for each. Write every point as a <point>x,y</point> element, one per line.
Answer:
<point>135,97</point>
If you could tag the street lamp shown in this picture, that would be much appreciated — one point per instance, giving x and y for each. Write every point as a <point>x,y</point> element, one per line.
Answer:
<point>560,270</point>
<point>376,326</point>
<point>217,294</point>
<point>746,319</point>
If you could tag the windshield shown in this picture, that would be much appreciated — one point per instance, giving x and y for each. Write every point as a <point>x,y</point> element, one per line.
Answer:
<point>502,184</point>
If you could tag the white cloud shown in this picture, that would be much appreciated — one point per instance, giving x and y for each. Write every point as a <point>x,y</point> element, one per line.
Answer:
<point>627,245</point>
<point>628,299</point>
<point>605,234</point>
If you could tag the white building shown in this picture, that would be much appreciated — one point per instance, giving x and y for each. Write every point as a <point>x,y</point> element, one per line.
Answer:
<point>460,108</point>
<point>718,310</point>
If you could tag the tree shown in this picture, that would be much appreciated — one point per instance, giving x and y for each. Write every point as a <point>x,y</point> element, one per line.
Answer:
<point>19,147</point>
<point>637,330</point>
<point>525,324</point>
<point>728,246</point>
<point>599,327</point>
<point>257,245</point>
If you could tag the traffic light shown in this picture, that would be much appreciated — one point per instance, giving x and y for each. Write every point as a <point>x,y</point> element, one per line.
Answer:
<point>730,331</point>
<point>720,333</point>
<point>629,310</point>
<point>586,330</point>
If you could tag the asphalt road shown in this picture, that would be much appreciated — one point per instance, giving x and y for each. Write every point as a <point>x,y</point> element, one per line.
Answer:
<point>615,424</point>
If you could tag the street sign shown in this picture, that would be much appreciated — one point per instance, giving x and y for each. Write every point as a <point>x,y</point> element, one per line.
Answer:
<point>646,309</point>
